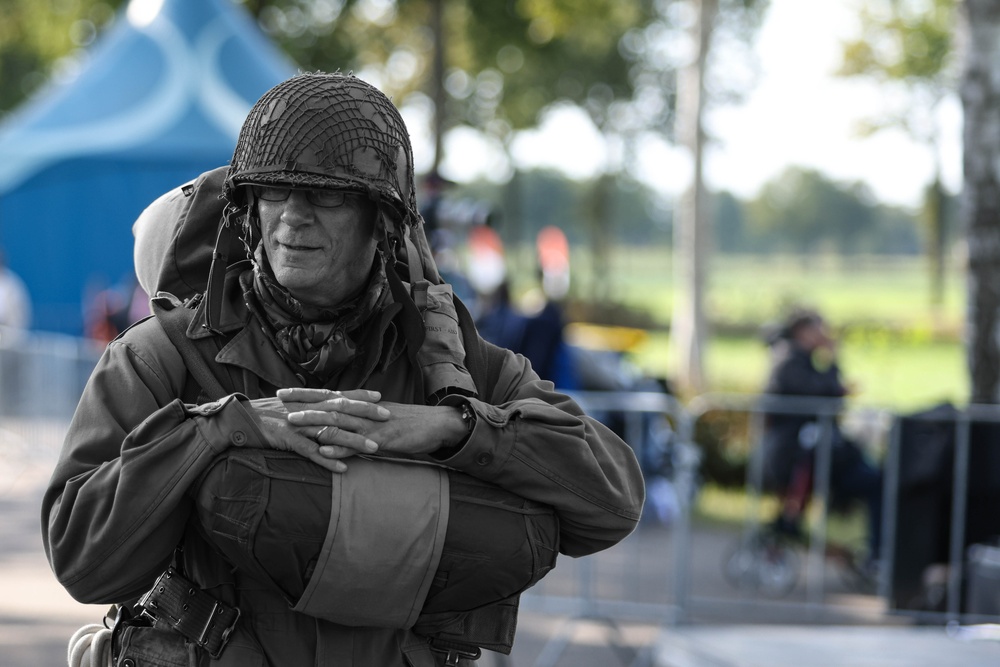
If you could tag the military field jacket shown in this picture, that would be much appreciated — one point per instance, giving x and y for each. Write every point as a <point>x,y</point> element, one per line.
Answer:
<point>119,498</point>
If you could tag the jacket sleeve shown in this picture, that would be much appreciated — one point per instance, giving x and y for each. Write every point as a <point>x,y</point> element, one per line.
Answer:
<point>117,503</point>
<point>538,443</point>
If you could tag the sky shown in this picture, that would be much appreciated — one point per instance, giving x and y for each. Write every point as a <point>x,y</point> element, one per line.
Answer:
<point>799,113</point>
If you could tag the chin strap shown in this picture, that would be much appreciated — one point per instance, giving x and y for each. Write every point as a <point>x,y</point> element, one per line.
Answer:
<point>217,275</point>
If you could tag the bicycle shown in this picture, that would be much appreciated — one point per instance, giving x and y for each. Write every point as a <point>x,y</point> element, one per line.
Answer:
<point>767,560</point>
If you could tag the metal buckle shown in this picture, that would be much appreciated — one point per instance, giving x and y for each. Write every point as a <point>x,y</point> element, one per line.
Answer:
<point>224,639</point>
<point>454,654</point>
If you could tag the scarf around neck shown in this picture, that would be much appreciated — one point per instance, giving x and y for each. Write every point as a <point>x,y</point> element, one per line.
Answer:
<point>320,341</point>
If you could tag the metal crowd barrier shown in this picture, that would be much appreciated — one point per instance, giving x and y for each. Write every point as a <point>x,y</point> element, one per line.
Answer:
<point>972,435</point>
<point>645,577</point>
<point>778,572</point>
<point>942,454</point>
<point>41,378</point>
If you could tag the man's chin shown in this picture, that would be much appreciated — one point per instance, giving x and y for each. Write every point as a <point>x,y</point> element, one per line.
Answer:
<point>297,280</point>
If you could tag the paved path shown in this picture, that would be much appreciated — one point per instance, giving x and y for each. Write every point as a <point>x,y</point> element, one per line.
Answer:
<point>37,616</point>
<point>830,646</point>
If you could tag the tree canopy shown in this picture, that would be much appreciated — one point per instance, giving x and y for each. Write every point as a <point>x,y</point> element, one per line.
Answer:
<point>906,45</point>
<point>507,60</point>
<point>803,211</point>
<point>38,39</point>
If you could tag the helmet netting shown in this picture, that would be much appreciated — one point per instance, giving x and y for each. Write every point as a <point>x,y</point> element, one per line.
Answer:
<point>326,130</point>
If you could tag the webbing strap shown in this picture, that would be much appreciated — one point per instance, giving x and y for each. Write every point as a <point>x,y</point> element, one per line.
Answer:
<point>413,261</point>
<point>175,320</point>
<point>217,275</point>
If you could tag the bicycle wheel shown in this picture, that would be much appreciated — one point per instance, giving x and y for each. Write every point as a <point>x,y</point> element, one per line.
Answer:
<point>778,570</point>
<point>762,563</point>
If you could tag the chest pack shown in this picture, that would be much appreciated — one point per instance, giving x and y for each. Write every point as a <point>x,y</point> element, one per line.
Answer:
<point>182,241</point>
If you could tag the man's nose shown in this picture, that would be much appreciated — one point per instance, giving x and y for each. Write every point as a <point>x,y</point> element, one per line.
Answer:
<point>297,209</point>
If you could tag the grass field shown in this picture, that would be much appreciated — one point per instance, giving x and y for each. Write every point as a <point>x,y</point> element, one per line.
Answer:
<point>896,350</point>
<point>899,376</point>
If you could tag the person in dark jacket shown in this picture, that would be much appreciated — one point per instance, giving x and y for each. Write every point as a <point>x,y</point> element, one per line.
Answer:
<point>806,370</point>
<point>337,344</point>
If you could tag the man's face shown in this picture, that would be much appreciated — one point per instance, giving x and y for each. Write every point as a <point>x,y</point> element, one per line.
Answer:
<point>813,335</point>
<point>320,245</point>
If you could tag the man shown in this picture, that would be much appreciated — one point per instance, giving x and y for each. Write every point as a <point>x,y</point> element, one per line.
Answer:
<point>330,358</point>
<point>805,367</point>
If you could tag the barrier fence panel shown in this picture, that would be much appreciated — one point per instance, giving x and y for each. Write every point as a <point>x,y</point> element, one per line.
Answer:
<point>41,378</point>
<point>940,531</point>
<point>645,577</point>
<point>770,565</point>
<point>943,491</point>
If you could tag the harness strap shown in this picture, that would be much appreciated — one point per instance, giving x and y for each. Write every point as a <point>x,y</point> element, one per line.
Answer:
<point>455,651</point>
<point>217,274</point>
<point>175,318</point>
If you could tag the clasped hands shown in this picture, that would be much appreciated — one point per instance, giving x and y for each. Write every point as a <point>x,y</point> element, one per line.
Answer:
<point>327,426</point>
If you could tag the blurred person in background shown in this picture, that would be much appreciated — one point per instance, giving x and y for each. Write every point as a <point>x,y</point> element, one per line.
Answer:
<point>15,304</point>
<point>535,327</point>
<point>15,319</point>
<point>805,365</point>
<point>112,310</point>
<point>545,330</point>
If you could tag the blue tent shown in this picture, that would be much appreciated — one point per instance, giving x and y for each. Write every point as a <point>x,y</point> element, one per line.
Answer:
<point>160,100</point>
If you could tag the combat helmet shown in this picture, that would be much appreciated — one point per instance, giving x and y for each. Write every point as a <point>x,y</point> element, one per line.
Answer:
<point>333,130</point>
<point>327,131</point>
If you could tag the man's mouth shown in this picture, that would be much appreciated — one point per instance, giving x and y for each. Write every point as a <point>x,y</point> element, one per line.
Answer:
<point>299,248</point>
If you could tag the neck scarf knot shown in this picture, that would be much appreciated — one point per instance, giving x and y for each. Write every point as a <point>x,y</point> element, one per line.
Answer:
<point>320,341</point>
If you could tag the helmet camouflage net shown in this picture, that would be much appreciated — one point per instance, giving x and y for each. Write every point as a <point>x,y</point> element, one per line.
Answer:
<point>326,131</point>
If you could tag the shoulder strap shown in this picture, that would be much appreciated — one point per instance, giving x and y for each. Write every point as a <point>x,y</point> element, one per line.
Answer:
<point>483,359</point>
<point>175,318</point>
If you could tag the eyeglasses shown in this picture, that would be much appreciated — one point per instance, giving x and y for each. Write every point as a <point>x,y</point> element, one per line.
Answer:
<point>321,198</point>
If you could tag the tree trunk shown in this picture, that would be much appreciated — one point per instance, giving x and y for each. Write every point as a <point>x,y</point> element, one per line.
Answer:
<point>437,81</point>
<point>980,94</point>
<point>600,220</point>
<point>934,220</point>
<point>691,222</point>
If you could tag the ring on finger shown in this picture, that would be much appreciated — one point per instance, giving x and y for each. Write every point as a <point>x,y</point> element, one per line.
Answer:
<point>320,432</point>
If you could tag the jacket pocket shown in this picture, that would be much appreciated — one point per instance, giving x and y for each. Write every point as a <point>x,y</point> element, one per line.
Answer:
<point>153,647</point>
<point>241,651</point>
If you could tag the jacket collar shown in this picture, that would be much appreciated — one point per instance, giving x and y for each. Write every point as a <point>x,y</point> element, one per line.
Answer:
<point>248,347</point>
